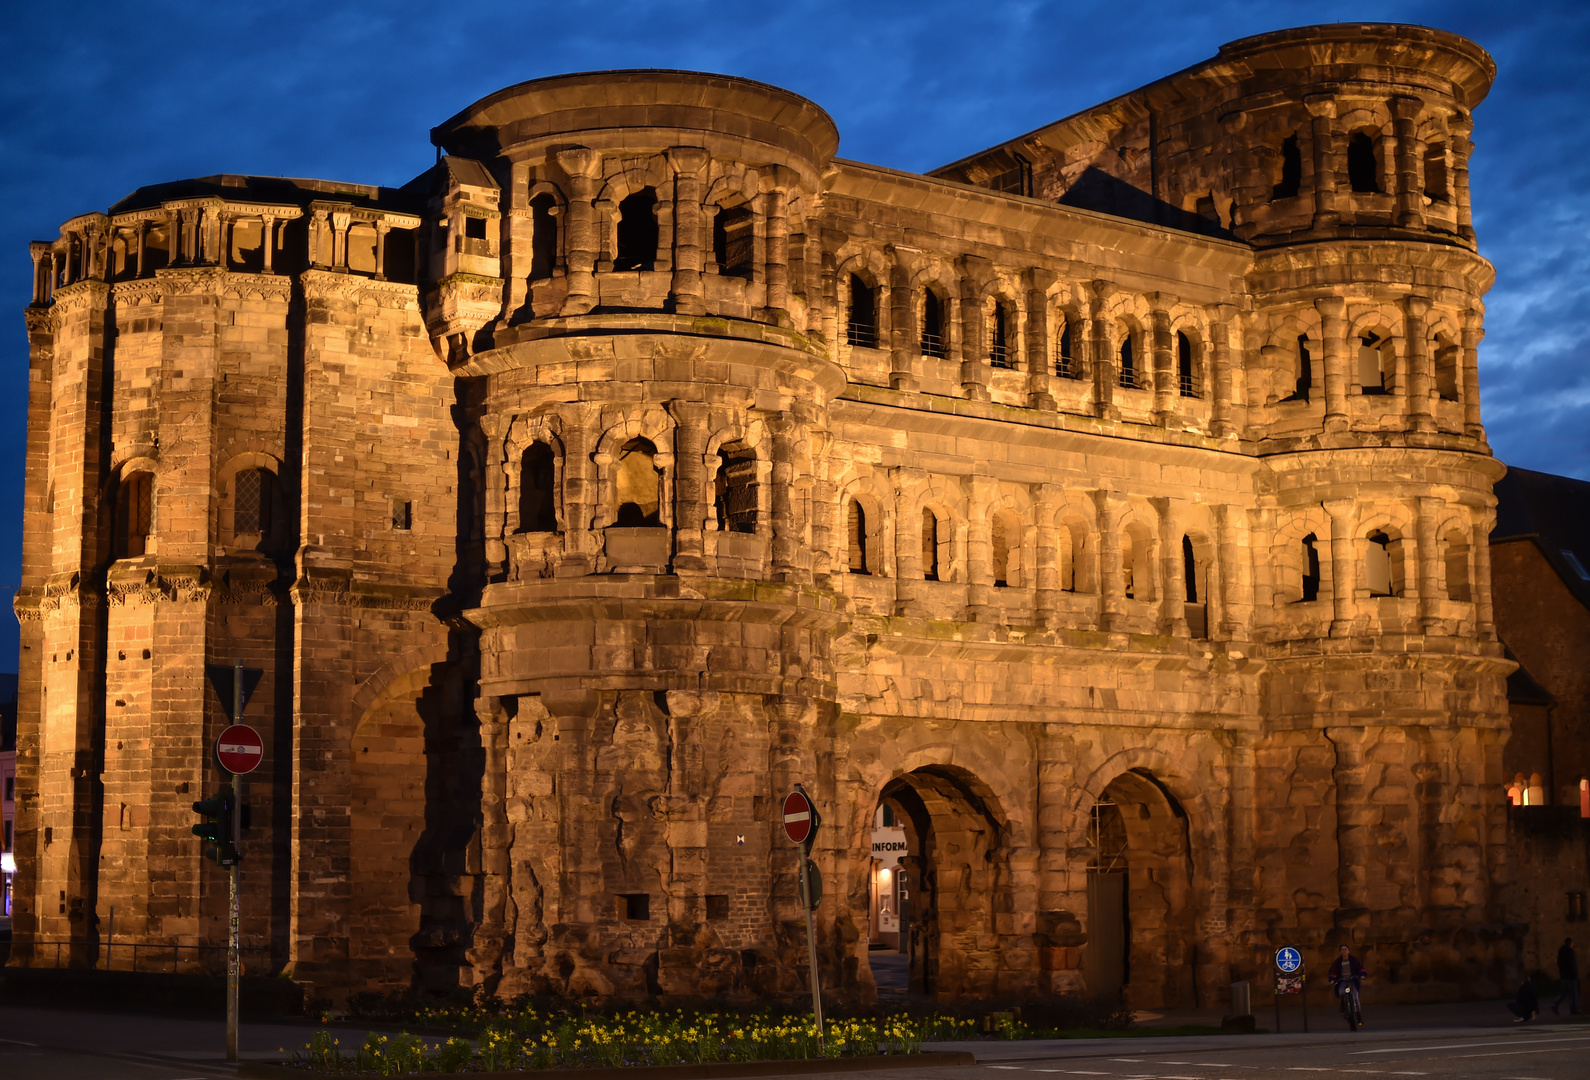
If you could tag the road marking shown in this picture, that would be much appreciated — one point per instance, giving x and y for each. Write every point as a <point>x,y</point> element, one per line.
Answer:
<point>17,1042</point>
<point>1467,1045</point>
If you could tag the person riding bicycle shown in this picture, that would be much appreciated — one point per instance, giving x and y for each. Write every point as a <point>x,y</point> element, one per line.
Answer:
<point>1346,974</point>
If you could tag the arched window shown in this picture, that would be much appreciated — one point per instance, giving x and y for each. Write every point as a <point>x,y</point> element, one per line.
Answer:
<point>1186,375</point>
<point>636,482</point>
<point>1378,564</point>
<point>862,328</point>
<point>1196,610</point>
<point>934,337</point>
<point>856,538</point>
<point>734,489</point>
<point>1310,568</point>
<point>1435,172</point>
<point>1448,370</point>
<point>1372,364</point>
<point>930,545</point>
<point>134,515</point>
<point>1363,163</point>
<point>543,236</point>
<point>537,489</point>
<point>1128,373</point>
<point>999,336</point>
<point>637,231</point>
<point>1189,565</point>
<point>1455,554</point>
<point>1304,372</point>
<point>253,505</point>
<point>1065,364</point>
<point>999,550</point>
<point>1290,175</point>
<point>1129,559</point>
<point>734,241</point>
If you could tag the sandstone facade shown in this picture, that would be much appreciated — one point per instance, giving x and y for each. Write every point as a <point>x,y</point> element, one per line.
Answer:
<point>1111,504</point>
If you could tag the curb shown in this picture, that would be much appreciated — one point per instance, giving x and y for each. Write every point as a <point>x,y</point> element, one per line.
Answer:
<point>712,1070</point>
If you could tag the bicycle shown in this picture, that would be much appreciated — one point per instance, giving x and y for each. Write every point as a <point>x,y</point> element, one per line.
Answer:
<point>1352,1008</point>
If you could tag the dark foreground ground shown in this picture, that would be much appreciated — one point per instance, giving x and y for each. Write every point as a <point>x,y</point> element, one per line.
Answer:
<point>1472,1041</point>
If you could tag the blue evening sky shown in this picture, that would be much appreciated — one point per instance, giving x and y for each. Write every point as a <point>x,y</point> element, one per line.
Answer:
<point>97,99</point>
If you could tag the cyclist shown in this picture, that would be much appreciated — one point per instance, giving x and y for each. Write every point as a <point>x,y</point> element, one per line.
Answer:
<point>1346,975</point>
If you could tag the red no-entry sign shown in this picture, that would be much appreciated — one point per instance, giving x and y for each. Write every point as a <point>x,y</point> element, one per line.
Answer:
<point>798,815</point>
<point>239,749</point>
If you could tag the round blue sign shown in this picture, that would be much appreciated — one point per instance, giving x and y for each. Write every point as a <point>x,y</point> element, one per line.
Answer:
<point>1288,959</point>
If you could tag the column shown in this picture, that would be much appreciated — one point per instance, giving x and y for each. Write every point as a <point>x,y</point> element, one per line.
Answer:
<point>1223,408</point>
<point>775,211</point>
<point>691,479</point>
<point>267,235</point>
<point>907,543</point>
<point>1344,567</point>
<point>903,349</point>
<point>786,480</point>
<point>141,232</point>
<point>687,162</point>
<point>518,238</point>
<point>1166,388</point>
<point>975,275</point>
<point>1242,820</point>
<point>1333,330</point>
<point>582,167</point>
<point>224,224</point>
<point>1037,339</point>
<point>1462,147</point>
<point>1047,578</point>
<point>1428,561</point>
<point>1421,372</point>
<point>979,561</point>
<point>1173,574</point>
<point>1410,192</point>
<point>1473,333</point>
<point>381,228</point>
<point>1322,111</point>
<point>340,220</point>
<point>485,954</point>
<point>173,237</point>
<point>1480,541</point>
<point>1233,584</point>
<point>39,252</point>
<point>1356,817</point>
<point>1111,593</point>
<point>1103,364</point>
<point>579,489</point>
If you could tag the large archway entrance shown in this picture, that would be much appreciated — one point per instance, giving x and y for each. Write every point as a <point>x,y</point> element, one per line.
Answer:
<point>950,883</point>
<point>1141,921</point>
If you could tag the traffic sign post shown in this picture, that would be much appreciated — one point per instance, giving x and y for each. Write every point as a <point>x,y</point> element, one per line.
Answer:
<point>800,825</point>
<point>1290,978</point>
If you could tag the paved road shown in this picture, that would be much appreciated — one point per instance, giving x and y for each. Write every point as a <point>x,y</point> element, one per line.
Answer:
<point>51,1044</point>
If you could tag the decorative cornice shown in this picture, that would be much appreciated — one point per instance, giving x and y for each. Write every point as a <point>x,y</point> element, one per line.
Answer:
<point>138,292</point>
<point>90,292</point>
<point>40,319</point>
<point>234,284</point>
<point>326,285</point>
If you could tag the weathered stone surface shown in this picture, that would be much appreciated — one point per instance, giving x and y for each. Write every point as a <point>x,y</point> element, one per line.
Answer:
<point>642,460</point>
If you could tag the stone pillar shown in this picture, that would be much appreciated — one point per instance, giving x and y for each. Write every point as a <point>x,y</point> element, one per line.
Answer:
<point>975,275</point>
<point>381,228</point>
<point>317,228</point>
<point>518,238</point>
<point>1327,158</point>
<point>979,553</point>
<point>1173,574</point>
<point>580,489</point>
<point>786,482</point>
<point>1344,567</point>
<point>828,281</point>
<point>1462,147</point>
<point>903,350</point>
<point>1480,541</point>
<point>775,212</point>
<point>485,954</point>
<point>907,543</point>
<point>1223,406</point>
<point>1112,594</point>
<point>1473,333</point>
<point>1410,192</point>
<point>39,252</point>
<point>1236,590</point>
<point>1039,370</point>
<point>692,482</point>
<point>340,220</point>
<point>1047,578</point>
<point>1333,332</point>
<point>1357,813</point>
<point>1103,364</point>
<point>267,234</point>
<point>688,163</point>
<point>1429,562</point>
<point>1166,384</point>
<point>582,166</point>
<point>1242,820</point>
<point>1421,371</point>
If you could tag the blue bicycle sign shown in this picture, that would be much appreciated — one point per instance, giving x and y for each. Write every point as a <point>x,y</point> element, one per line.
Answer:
<point>1288,960</point>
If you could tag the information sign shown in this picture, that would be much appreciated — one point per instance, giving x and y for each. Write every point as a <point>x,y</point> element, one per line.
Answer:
<point>1288,960</point>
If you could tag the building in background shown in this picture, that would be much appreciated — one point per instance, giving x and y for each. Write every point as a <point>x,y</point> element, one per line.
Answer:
<point>1109,506</point>
<point>1540,570</point>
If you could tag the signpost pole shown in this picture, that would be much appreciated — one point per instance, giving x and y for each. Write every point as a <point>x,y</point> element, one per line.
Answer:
<point>811,946</point>
<point>232,915</point>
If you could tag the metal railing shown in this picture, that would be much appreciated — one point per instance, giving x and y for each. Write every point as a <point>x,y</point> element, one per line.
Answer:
<point>933,345</point>
<point>144,956</point>
<point>1066,367</point>
<point>999,356</point>
<point>1189,386</point>
<point>863,335</point>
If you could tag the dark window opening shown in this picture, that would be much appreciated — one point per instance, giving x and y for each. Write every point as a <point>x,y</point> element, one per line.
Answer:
<point>635,483</point>
<point>1128,373</point>
<point>1448,363</point>
<point>999,342</point>
<point>1016,180</point>
<point>474,228</point>
<point>1184,366</point>
<point>1291,181</point>
<point>251,506</point>
<point>856,534</point>
<point>862,329</point>
<point>1065,364</point>
<point>1189,564</point>
<point>734,490</point>
<point>1576,907</point>
<point>637,231</point>
<point>537,487</point>
<point>999,543</point>
<point>1310,568</point>
<point>134,511</point>
<point>1377,565</point>
<point>1371,365</point>
<point>402,515</point>
<point>717,907</point>
<point>1435,172</point>
<point>734,241</point>
<point>1363,166</point>
<point>930,545</point>
<point>1205,208</point>
<point>543,236</point>
<point>934,339</point>
<point>637,906</point>
<point>1305,372</point>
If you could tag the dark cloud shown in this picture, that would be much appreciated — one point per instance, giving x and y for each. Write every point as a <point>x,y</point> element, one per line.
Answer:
<point>98,99</point>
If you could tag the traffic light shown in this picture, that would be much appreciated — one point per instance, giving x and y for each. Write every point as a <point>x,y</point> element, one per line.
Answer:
<point>218,828</point>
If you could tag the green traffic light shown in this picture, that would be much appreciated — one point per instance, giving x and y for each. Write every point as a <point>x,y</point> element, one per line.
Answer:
<point>217,829</point>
